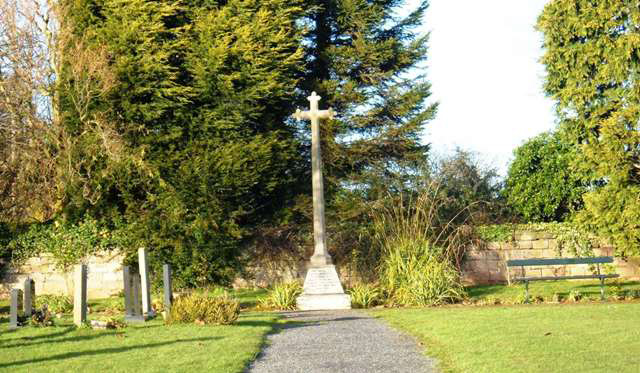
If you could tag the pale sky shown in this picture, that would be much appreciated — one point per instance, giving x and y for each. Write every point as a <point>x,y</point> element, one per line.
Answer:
<point>484,69</point>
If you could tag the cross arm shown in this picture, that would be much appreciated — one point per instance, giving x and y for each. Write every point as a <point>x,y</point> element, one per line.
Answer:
<point>300,115</point>
<point>326,114</point>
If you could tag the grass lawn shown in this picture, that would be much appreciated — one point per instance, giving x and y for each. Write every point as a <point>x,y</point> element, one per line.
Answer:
<point>151,347</point>
<point>590,337</point>
<point>588,288</point>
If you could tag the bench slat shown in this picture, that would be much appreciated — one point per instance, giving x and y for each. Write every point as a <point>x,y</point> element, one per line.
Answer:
<point>578,277</point>
<point>562,261</point>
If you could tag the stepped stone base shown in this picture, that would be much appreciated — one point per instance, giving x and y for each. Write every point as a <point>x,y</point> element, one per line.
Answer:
<point>317,302</point>
<point>323,291</point>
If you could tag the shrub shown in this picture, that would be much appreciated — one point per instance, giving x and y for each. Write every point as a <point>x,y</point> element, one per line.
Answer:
<point>413,274</point>
<point>55,303</point>
<point>575,296</point>
<point>557,298</point>
<point>282,296</point>
<point>365,295</point>
<point>204,309</point>
<point>41,317</point>
<point>540,185</point>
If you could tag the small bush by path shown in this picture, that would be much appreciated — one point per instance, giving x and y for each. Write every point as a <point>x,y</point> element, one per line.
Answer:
<point>594,337</point>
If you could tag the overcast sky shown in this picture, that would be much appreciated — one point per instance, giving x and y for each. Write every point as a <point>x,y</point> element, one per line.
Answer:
<point>483,65</point>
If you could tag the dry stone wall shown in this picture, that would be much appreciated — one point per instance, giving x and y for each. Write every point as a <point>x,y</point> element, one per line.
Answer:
<point>104,276</point>
<point>487,265</point>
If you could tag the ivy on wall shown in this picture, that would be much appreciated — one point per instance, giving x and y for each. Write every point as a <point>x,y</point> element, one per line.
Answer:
<point>67,243</point>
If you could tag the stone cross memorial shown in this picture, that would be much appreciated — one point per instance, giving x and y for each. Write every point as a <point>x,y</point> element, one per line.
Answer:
<point>322,289</point>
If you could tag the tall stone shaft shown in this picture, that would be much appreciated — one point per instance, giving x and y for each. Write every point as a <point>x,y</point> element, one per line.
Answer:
<point>320,253</point>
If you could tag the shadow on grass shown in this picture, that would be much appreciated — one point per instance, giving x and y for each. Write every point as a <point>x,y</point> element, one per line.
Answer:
<point>64,331</point>
<point>255,323</point>
<point>77,338</point>
<point>71,355</point>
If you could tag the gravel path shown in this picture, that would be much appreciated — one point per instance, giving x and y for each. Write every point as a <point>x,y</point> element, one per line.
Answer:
<point>339,341</point>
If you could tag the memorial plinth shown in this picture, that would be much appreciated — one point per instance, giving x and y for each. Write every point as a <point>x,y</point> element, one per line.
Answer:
<point>322,290</point>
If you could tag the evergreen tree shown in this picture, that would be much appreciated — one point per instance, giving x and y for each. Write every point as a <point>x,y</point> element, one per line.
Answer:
<point>360,58</point>
<point>592,61</point>
<point>540,185</point>
<point>202,93</point>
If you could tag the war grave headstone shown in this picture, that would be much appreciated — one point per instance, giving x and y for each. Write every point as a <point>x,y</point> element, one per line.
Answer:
<point>322,288</point>
<point>132,304</point>
<point>29,296</point>
<point>147,310</point>
<point>15,308</point>
<point>168,291</point>
<point>80,295</point>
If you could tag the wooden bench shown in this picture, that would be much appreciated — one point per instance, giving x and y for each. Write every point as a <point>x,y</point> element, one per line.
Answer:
<point>564,261</point>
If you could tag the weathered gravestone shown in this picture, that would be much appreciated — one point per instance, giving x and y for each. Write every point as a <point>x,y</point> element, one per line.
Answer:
<point>132,305</point>
<point>147,311</point>
<point>168,291</point>
<point>80,295</point>
<point>322,289</point>
<point>15,308</point>
<point>29,297</point>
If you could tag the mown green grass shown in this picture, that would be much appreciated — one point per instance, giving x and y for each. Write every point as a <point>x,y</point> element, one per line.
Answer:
<point>148,347</point>
<point>151,347</point>
<point>589,337</point>
<point>546,289</point>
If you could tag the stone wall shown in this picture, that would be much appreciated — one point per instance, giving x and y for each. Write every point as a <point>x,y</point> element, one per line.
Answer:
<point>487,265</point>
<point>104,276</point>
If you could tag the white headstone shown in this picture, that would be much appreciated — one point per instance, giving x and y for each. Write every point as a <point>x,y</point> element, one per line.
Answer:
<point>147,311</point>
<point>80,295</point>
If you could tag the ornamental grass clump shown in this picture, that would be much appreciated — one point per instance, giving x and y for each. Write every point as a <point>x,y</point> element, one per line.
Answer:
<point>282,296</point>
<point>414,274</point>
<point>419,248</point>
<point>365,295</point>
<point>204,309</point>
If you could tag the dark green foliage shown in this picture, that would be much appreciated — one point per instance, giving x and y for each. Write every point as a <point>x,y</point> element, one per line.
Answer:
<point>470,186</point>
<point>592,61</point>
<point>187,146</point>
<point>199,107</point>
<point>540,184</point>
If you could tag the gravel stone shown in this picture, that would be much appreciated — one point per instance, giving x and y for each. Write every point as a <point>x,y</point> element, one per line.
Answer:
<point>339,341</point>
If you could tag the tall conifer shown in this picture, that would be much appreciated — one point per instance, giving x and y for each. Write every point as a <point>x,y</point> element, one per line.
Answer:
<point>592,61</point>
<point>203,90</point>
<point>364,58</point>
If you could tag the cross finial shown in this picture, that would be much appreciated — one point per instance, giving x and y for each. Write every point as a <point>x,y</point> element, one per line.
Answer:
<point>314,97</point>
<point>313,111</point>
